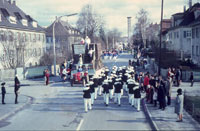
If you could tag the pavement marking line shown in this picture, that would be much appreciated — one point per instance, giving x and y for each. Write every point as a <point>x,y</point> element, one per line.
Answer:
<point>79,126</point>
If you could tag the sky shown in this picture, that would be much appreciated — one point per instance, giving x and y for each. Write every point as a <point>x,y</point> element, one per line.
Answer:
<point>114,12</point>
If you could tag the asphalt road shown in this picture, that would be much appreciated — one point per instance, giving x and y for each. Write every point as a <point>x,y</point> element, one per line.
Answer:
<point>60,107</point>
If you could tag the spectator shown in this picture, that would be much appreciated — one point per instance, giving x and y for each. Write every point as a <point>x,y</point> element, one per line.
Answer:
<point>47,76</point>
<point>179,105</point>
<point>192,79</point>
<point>16,90</point>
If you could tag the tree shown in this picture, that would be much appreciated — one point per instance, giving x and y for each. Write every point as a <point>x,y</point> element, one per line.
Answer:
<point>13,49</point>
<point>89,22</point>
<point>113,36</point>
<point>141,25</point>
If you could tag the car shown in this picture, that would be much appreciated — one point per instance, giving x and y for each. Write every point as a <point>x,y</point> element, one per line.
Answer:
<point>78,73</point>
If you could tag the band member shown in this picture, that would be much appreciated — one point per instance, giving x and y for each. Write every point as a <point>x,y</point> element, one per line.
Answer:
<point>87,97</point>
<point>92,91</point>
<point>137,96</point>
<point>131,91</point>
<point>106,92</point>
<point>118,87</point>
<point>110,86</point>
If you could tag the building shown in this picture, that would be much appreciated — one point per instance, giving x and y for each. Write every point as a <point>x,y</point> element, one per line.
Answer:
<point>65,36</point>
<point>22,40</point>
<point>184,35</point>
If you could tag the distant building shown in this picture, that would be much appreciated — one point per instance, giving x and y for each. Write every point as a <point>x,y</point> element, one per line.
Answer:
<point>22,40</point>
<point>65,36</point>
<point>184,35</point>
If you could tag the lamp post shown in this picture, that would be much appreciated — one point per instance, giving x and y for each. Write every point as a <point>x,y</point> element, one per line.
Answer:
<point>159,62</point>
<point>54,41</point>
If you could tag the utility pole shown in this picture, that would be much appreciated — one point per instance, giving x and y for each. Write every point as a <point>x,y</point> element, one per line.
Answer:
<point>159,63</point>
<point>129,29</point>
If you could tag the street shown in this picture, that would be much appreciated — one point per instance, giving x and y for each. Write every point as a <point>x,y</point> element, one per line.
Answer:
<point>60,107</point>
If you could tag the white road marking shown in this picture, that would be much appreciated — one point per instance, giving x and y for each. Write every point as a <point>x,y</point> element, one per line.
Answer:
<point>79,126</point>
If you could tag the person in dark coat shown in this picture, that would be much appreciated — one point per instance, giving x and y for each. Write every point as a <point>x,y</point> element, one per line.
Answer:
<point>3,92</point>
<point>16,90</point>
<point>161,95</point>
<point>191,79</point>
<point>87,97</point>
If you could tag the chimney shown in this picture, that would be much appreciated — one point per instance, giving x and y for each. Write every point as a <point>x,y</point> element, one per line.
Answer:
<point>14,2</point>
<point>190,3</point>
<point>184,8</point>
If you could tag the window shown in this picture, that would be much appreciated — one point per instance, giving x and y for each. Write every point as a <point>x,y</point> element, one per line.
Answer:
<point>174,35</point>
<point>29,18</point>
<point>193,33</point>
<point>197,50</point>
<point>192,50</point>
<point>197,32</point>
<point>184,34</point>
<point>30,37</point>
<point>18,16</point>
<point>177,34</point>
<point>4,12</point>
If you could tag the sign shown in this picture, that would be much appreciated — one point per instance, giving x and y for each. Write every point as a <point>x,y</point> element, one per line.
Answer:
<point>79,49</point>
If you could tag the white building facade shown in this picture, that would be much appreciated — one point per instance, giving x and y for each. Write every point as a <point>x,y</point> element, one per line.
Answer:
<point>22,40</point>
<point>184,35</point>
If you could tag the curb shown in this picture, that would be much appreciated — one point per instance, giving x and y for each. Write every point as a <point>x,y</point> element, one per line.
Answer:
<point>6,116</point>
<point>149,116</point>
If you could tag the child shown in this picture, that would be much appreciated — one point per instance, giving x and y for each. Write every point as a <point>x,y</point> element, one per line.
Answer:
<point>179,105</point>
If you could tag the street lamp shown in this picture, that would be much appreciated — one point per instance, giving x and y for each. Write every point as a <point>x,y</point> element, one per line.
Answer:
<point>159,62</point>
<point>54,41</point>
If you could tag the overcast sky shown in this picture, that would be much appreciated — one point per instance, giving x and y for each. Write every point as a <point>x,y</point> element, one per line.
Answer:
<point>115,12</point>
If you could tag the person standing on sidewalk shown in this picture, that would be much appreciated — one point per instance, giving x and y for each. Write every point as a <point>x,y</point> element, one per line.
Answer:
<point>168,86</point>
<point>3,92</point>
<point>179,105</point>
<point>87,98</point>
<point>47,76</point>
<point>191,79</point>
<point>16,90</point>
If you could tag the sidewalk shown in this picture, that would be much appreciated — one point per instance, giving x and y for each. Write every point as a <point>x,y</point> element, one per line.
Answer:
<point>10,108</point>
<point>166,120</point>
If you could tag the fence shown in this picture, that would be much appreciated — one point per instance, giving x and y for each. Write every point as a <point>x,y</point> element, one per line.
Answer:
<point>26,73</point>
<point>7,74</point>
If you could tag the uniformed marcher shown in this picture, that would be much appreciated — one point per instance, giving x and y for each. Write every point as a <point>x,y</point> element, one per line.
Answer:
<point>106,92</point>
<point>3,92</point>
<point>110,86</point>
<point>131,92</point>
<point>137,96</point>
<point>96,82</point>
<point>100,81</point>
<point>106,71</point>
<point>87,97</point>
<point>92,90</point>
<point>118,87</point>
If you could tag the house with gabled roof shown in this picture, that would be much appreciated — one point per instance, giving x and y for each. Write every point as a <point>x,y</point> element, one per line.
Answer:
<point>22,40</point>
<point>184,35</point>
<point>65,36</point>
